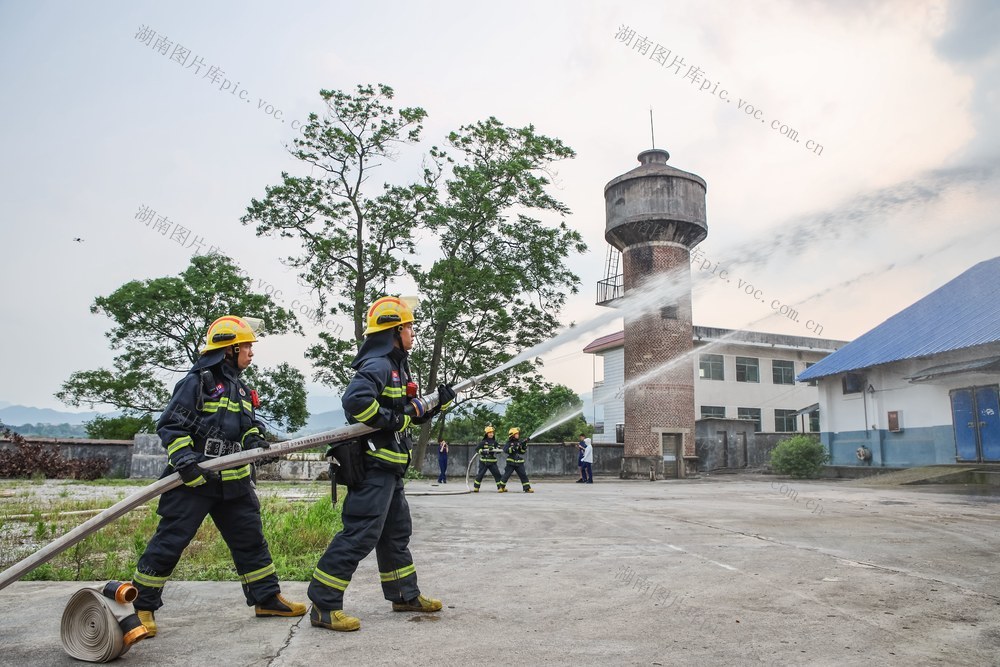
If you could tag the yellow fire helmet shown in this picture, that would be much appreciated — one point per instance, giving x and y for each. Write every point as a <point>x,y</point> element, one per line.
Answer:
<point>489,430</point>
<point>229,330</point>
<point>390,312</point>
<point>514,431</point>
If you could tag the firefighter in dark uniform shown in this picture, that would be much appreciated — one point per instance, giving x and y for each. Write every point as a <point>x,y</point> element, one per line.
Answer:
<point>516,449</point>
<point>376,514</point>
<point>212,414</point>
<point>488,450</point>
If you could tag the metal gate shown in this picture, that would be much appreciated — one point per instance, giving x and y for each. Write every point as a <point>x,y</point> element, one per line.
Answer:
<point>976,418</point>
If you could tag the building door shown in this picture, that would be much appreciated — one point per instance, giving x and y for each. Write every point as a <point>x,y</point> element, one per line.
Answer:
<point>976,418</point>
<point>724,447</point>
<point>742,438</point>
<point>672,456</point>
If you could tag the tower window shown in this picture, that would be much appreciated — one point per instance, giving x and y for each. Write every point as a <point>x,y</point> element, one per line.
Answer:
<point>668,313</point>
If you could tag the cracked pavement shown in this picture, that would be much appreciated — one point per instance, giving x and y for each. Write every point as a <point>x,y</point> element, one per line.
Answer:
<point>735,570</point>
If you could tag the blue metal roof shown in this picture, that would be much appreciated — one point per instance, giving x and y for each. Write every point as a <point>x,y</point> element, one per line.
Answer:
<point>962,313</point>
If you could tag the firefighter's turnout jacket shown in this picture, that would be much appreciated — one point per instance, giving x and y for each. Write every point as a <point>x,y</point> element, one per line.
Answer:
<point>196,415</point>
<point>376,397</point>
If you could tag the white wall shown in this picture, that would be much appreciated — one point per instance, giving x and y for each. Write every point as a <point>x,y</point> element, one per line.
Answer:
<point>728,393</point>
<point>923,404</point>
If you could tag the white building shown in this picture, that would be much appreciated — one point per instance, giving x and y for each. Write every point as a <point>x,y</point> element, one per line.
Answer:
<point>922,387</point>
<point>738,375</point>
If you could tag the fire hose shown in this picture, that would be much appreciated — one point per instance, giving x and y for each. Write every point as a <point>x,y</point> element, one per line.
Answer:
<point>122,507</point>
<point>99,624</point>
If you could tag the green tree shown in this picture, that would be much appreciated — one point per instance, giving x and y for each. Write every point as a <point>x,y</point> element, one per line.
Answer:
<point>158,330</point>
<point>492,273</point>
<point>123,427</point>
<point>501,279</point>
<point>353,237</point>
<point>469,422</point>
<point>541,406</point>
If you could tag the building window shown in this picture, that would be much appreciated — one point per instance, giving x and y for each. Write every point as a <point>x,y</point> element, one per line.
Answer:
<point>814,421</point>
<point>752,414</point>
<point>784,421</point>
<point>812,383</point>
<point>713,411</point>
<point>710,367</point>
<point>668,313</point>
<point>853,383</point>
<point>620,433</point>
<point>747,369</point>
<point>782,372</point>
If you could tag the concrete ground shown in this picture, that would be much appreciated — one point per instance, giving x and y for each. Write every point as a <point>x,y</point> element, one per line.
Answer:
<point>723,570</point>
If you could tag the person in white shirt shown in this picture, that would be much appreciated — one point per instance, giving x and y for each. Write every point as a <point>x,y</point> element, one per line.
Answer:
<point>588,462</point>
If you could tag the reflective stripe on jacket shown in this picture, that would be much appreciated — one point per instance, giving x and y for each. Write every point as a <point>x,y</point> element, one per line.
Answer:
<point>191,418</point>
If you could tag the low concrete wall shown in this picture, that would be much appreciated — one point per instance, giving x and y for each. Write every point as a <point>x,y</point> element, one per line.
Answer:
<point>719,443</point>
<point>149,458</point>
<point>544,459</point>
<point>118,452</point>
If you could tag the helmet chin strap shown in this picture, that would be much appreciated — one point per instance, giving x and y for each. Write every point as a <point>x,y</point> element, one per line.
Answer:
<point>234,358</point>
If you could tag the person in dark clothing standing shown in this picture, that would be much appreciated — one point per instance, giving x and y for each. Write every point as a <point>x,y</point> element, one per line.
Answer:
<point>516,450</point>
<point>375,513</point>
<point>488,450</point>
<point>442,461</point>
<point>212,413</point>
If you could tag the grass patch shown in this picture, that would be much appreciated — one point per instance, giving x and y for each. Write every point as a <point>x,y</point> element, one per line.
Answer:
<point>297,532</point>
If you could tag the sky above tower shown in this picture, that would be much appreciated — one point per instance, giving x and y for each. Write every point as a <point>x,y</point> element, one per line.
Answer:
<point>848,147</point>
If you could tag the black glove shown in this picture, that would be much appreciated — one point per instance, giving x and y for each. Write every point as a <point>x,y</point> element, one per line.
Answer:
<point>187,467</point>
<point>445,396</point>
<point>524,443</point>
<point>254,441</point>
<point>398,421</point>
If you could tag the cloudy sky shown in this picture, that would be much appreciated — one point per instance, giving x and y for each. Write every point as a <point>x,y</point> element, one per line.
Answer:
<point>890,190</point>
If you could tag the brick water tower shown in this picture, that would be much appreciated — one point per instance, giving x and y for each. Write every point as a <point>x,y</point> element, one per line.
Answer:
<point>655,216</point>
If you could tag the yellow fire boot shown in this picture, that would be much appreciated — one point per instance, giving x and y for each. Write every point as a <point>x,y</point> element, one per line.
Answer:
<point>529,490</point>
<point>333,619</point>
<point>420,604</point>
<point>279,606</point>
<point>147,620</point>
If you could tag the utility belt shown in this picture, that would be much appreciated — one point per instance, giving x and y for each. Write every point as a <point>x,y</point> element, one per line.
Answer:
<point>215,447</point>
<point>515,461</point>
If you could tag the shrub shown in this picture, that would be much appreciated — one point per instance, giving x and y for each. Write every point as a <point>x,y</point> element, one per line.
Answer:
<point>800,456</point>
<point>30,459</point>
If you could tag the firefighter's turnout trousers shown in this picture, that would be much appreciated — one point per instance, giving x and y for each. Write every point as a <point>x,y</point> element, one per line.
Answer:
<point>376,516</point>
<point>182,511</point>
<point>494,470</point>
<point>522,474</point>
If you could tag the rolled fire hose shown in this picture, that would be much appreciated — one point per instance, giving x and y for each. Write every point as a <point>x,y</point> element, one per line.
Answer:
<point>122,507</point>
<point>99,624</point>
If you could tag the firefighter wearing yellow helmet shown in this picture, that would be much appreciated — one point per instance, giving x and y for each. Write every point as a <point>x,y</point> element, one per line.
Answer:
<point>375,514</point>
<point>212,413</point>
<point>516,451</point>
<point>488,450</point>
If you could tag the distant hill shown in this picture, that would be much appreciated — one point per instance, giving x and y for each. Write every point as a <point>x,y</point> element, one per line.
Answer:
<point>20,414</point>
<point>51,430</point>
<point>323,421</point>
